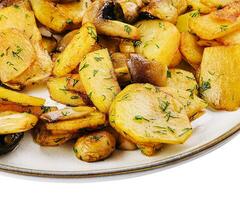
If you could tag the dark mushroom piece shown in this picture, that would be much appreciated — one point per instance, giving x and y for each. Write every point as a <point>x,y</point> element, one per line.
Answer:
<point>9,142</point>
<point>101,14</point>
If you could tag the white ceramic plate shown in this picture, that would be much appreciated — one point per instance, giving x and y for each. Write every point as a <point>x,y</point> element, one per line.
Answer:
<point>31,159</point>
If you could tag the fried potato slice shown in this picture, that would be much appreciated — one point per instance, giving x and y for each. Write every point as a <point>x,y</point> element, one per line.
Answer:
<point>98,78</point>
<point>95,146</point>
<point>183,20</point>
<point>44,137</point>
<point>16,54</point>
<point>58,91</point>
<point>218,23</point>
<point>146,115</point>
<point>14,122</point>
<point>198,5</point>
<point>192,103</point>
<point>22,18</point>
<point>190,50</point>
<point>67,113</point>
<point>35,110</point>
<point>159,41</point>
<point>219,77</point>
<point>230,39</point>
<point>182,79</point>
<point>20,98</point>
<point>80,45</point>
<point>90,121</point>
<point>162,9</point>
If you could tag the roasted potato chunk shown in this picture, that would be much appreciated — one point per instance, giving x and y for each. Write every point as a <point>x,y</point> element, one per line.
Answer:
<point>95,146</point>
<point>20,98</point>
<point>219,77</point>
<point>182,79</point>
<point>90,121</point>
<point>98,78</point>
<point>150,150</point>
<point>58,91</point>
<point>146,115</point>
<point>64,42</point>
<point>159,41</point>
<point>17,54</point>
<point>14,122</point>
<point>73,54</point>
<point>190,50</point>
<point>177,59</point>
<point>218,23</point>
<point>44,137</point>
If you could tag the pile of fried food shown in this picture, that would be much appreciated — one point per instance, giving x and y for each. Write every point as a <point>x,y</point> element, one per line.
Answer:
<point>133,74</point>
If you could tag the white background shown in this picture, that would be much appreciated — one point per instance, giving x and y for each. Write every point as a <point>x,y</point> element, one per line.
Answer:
<point>214,176</point>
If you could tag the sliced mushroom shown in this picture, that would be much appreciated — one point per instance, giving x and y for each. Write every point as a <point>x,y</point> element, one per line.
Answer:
<point>145,71</point>
<point>101,14</point>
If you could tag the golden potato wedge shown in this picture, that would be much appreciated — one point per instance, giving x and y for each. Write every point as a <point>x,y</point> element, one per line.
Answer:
<point>95,146</point>
<point>14,122</point>
<point>108,27</point>
<point>198,5</point>
<point>22,18</point>
<point>16,54</point>
<point>192,103</point>
<point>98,78</point>
<point>67,113</point>
<point>49,15</point>
<point>162,9</point>
<point>58,91</point>
<point>230,39</point>
<point>90,121</point>
<point>73,54</point>
<point>177,59</point>
<point>44,137</point>
<point>182,79</point>
<point>183,20</point>
<point>35,110</point>
<point>20,98</point>
<point>159,41</point>
<point>74,11</point>
<point>219,77</point>
<point>49,44</point>
<point>218,23</point>
<point>189,48</point>
<point>74,83</point>
<point>146,115</point>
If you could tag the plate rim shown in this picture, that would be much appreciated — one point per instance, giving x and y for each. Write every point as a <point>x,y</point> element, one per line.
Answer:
<point>123,170</point>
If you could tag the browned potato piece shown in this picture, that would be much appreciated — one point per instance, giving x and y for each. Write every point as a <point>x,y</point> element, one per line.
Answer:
<point>16,54</point>
<point>127,46</point>
<point>198,5</point>
<point>35,110</point>
<point>180,5</point>
<point>14,122</point>
<point>218,23</point>
<point>49,44</point>
<point>162,9</point>
<point>150,150</point>
<point>177,59</point>
<point>90,121</point>
<point>219,77</point>
<point>111,43</point>
<point>63,43</point>
<point>44,137</point>
<point>58,91</point>
<point>109,27</point>
<point>208,43</point>
<point>189,48</point>
<point>20,98</point>
<point>74,53</point>
<point>67,113</point>
<point>145,71</point>
<point>95,146</point>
